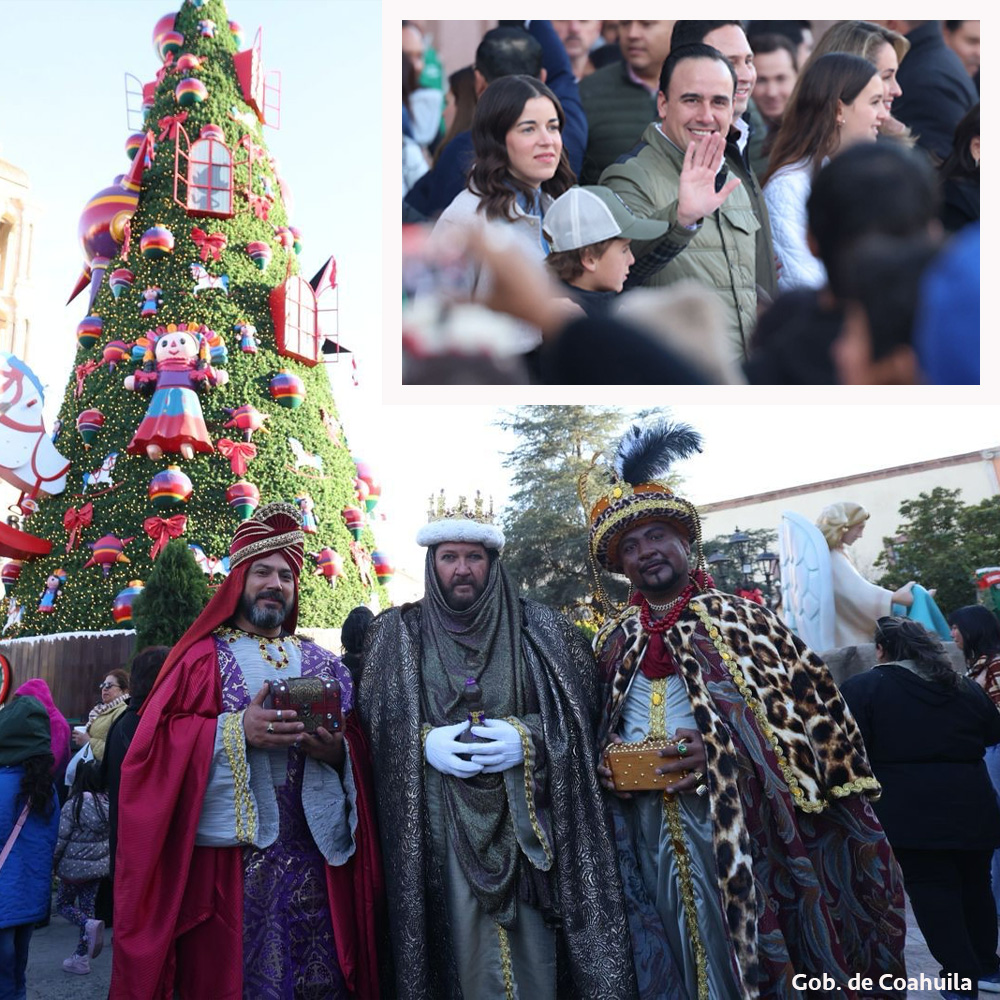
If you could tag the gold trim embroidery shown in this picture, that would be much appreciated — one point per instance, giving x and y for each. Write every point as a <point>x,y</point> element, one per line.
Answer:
<point>424,732</point>
<point>505,963</point>
<point>289,538</point>
<point>729,660</point>
<point>234,743</point>
<point>529,791</point>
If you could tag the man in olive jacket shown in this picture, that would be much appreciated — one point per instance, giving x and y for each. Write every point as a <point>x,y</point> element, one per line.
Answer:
<point>695,105</point>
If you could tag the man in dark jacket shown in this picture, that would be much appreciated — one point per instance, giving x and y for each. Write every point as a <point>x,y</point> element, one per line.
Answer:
<point>534,50</point>
<point>620,99</point>
<point>937,90</point>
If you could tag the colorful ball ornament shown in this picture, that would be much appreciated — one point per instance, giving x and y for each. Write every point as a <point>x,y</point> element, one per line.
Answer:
<point>171,43</point>
<point>374,495</point>
<point>383,568</point>
<point>285,236</point>
<point>89,423</point>
<point>162,26</point>
<point>260,253</point>
<point>107,551</point>
<point>190,91</point>
<point>120,280</point>
<point>287,389</point>
<point>237,35</point>
<point>329,564</point>
<point>296,238</point>
<point>132,144</point>
<point>243,497</point>
<point>361,491</point>
<point>156,242</point>
<point>170,488</point>
<point>115,352</point>
<point>10,572</point>
<point>211,131</point>
<point>364,470</point>
<point>88,331</point>
<point>121,607</point>
<point>354,518</point>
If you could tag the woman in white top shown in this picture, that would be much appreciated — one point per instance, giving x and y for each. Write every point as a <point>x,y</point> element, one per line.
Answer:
<point>837,102</point>
<point>519,170</point>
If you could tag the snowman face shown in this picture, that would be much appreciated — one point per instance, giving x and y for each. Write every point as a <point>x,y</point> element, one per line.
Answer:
<point>176,345</point>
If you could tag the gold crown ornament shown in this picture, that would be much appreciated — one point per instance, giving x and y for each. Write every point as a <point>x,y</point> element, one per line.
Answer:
<point>461,522</point>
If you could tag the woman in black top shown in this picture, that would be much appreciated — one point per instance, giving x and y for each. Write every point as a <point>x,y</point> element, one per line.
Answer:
<point>926,729</point>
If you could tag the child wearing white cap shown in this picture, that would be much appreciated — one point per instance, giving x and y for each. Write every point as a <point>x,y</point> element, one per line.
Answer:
<point>590,230</point>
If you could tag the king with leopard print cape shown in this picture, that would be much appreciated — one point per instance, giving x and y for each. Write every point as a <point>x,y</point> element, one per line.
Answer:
<point>806,879</point>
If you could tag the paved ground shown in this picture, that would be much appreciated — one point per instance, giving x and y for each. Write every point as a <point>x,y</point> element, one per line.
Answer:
<point>50,945</point>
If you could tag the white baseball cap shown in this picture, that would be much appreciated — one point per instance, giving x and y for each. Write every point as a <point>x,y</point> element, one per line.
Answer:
<point>586,215</point>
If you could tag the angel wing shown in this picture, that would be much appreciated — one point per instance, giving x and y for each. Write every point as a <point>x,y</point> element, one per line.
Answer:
<point>806,581</point>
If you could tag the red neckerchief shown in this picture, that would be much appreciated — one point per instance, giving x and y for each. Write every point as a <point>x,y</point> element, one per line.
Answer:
<point>658,661</point>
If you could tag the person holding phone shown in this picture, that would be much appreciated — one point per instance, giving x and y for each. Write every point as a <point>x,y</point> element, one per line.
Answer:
<point>265,829</point>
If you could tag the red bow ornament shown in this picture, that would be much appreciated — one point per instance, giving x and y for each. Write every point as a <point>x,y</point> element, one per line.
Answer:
<point>238,453</point>
<point>210,244</point>
<point>82,371</point>
<point>169,125</point>
<point>75,520</point>
<point>162,529</point>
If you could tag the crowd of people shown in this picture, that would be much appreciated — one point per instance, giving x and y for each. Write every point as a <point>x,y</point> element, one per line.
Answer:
<point>811,204</point>
<point>477,802</point>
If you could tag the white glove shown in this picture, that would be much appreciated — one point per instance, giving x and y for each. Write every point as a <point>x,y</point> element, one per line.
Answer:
<point>441,750</point>
<point>503,750</point>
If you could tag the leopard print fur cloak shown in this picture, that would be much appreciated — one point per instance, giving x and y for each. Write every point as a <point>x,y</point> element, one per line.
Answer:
<point>774,695</point>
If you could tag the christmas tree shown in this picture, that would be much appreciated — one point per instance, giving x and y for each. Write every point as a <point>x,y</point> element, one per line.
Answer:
<point>198,389</point>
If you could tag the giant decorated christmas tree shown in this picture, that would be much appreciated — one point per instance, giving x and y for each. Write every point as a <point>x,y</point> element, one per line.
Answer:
<point>199,388</point>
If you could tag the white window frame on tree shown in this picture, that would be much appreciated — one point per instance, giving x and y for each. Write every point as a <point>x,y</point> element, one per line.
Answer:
<point>289,303</point>
<point>214,198</point>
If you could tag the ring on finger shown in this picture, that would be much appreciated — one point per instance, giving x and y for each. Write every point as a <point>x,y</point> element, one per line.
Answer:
<point>701,790</point>
<point>682,748</point>
<point>698,776</point>
<point>279,713</point>
<point>270,727</point>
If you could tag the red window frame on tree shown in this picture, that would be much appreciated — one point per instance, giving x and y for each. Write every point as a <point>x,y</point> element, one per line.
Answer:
<point>296,320</point>
<point>213,153</point>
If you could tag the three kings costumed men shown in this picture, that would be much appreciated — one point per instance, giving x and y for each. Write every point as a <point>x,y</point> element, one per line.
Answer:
<point>500,867</point>
<point>248,861</point>
<point>765,861</point>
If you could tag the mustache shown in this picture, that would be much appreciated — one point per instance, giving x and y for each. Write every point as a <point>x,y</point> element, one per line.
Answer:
<point>270,595</point>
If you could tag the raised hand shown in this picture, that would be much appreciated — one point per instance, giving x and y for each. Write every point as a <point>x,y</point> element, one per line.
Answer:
<point>696,196</point>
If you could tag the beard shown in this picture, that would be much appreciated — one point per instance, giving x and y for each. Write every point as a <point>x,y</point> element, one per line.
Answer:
<point>261,616</point>
<point>465,600</point>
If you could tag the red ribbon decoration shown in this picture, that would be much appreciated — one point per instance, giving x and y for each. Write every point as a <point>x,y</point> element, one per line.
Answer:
<point>162,529</point>
<point>260,204</point>
<point>76,519</point>
<point>209,243</point>
<point>238,453</point>
<point>169,124</point>
<point>82,371</point>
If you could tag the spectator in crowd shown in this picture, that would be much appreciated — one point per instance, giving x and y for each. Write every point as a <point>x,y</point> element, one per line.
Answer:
<point>504,51</point>
<point>520,169</point>
<point>870,188</point>
<point>925,729</point>
<point>114,700</point>
<point>578,38</point>
<point>959,176</point>
<point>777,71</point>
<point>729,39</point>
<point>58,725</point>
<point>352,640</point>
<point>937,90</point>
<point>460,106</point>
<point>962,37</point>
<point>976,631</point>
<point>81,861</point>
<point>145,666</point>
<point>719,247</point>
<point>590,231</point>
<point>882,286</point>
<point>422,118</point>
<point>414,161</point>
<point>620,99</point>
<point>29,826</point>
<point>886,49</point>
<point>837,103</point>
<point>799,33</point>
<point>948,322</point>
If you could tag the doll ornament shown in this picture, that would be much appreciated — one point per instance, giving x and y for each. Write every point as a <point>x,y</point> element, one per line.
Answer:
<point>174,369</point>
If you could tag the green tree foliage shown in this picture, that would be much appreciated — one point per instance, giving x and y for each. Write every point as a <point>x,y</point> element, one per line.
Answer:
<point>86,599</point>
<point>546,526</point>
<point>728,574</point>
<point>940,543</point>
<point>174,596</point>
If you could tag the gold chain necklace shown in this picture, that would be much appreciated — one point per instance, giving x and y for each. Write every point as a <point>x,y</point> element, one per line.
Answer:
<point>231,635</point>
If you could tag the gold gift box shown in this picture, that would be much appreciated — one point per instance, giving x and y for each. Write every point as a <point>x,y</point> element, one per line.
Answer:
<point>633,765</point>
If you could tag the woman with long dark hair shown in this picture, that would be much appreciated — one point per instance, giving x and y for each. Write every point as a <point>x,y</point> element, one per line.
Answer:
<point>959,175</point>
<point>838,102</point>
<point>925,729</point>
<point>519,170</point>
<point>29,823</point>
<point>460,106</point>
